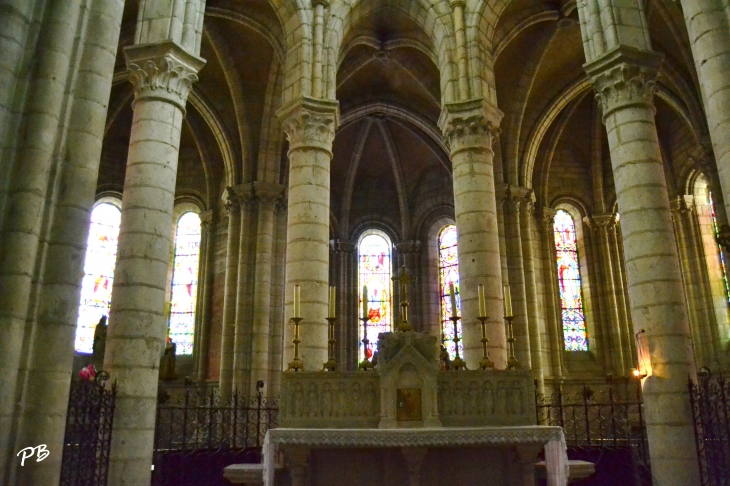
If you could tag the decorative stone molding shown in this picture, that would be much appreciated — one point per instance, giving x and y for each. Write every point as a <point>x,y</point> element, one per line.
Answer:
<point>162,71</point>
<point>310,123</point>
<point>469,125</point>
<point>340,246</point>
<point>486,397</point>
<point>330,400</point>
<point>624,77</point>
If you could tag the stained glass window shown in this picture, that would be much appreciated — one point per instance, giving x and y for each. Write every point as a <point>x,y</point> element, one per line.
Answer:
<point>449,274</point>
<point>185,283</point>
<point>96,286</point>
<point>574,322</point>
<point>719,247</point>
<point>374,253</point>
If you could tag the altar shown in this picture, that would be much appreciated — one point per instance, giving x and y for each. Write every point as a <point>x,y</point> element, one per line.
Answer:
<point>416,457</point>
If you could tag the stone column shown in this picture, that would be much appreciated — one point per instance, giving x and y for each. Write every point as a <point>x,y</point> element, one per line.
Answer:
<point>205,279</point>
<point>552,299</point>
<point>513,200</point>
<point>601,225</point>
<point>617,262</point>
<point>242,327</point>
<point>469,128</point>
<point>232,203</point>
<point>267,195</point>
<point>528,252</point>
<point>623,79</point>
<point>347,309</point>
<point>709,34</point>
<point>310,126</point>
<point>162,75</point>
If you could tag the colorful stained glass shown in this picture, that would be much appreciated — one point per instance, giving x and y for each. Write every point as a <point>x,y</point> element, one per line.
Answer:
<point>96,286</point>
<point>374,255</point>
<point>719,247</point>
<point>185,283</point>
<point>574,322</point>
<point>449,274</point>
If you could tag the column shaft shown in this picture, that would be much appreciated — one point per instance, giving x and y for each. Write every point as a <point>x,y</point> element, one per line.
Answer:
<point>310,127</point>
<point>469,128</point>
<point>528,251</point>
<point>243,320</point>
<point>137,326</point>
<point>225,380</point>
<point>206,277</point>
<point>624,80</point>
<point>552,300</point>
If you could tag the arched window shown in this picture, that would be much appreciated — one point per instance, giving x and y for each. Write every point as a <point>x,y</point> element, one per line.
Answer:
<point>719,247</point>
<point>96,287</point>
<point>374,269</point>
<point>574,322</point>
<point>449,274</point>
<point>185,282</point>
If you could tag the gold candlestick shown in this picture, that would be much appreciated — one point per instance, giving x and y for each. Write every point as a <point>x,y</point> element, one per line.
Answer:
<point>331,364</point>
<point>485,363</point>
<point>458,363</point>
<point>512,362</point>
<point>365,364</point>
<point>296,363</point>
<point>404,280</point>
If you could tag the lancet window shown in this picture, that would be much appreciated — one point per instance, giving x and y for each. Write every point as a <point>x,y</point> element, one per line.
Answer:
<point>375,272</point>
<point>566,244</point>
<point>185,283</point>
<point>96,286</point>
<point>449,275</point>
<point>719,247</point>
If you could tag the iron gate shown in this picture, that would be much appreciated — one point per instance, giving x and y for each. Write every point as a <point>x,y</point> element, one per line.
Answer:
<point>87,439</point>
<point>710,400</point>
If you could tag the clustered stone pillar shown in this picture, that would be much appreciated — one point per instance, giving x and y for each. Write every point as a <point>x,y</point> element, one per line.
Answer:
<point>552,299</point>
<point>623,78</point>
<point>347,308</point>
<point>162,74</point>
<point>310,126</point>
<point>267,195</point>
<point>244,285</point>
<point>528,250</point>
<point>205,277</point>
<point>469,128</point>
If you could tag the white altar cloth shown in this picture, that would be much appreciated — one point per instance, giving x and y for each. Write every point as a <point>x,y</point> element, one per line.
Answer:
<point>552,438</point>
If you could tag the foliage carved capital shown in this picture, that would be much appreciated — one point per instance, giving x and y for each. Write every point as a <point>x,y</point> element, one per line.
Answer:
<point>470,125</point>
<point>310,123</point>
<point>624,77</point>
<point>162,71</point>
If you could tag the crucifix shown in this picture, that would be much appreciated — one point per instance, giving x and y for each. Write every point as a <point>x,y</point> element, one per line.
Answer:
<point>404,280</point>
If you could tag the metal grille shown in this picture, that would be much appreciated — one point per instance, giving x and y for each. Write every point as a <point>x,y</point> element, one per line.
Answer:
<point>198,434</point>
<point>710,400</point>
<point>603,424</point>
<point>88,433</point>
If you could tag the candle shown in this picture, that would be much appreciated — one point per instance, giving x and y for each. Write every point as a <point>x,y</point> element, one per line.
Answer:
<point>507,302</point>
<point>297,295</point>
<point>333,296</point>
<point>482,303</point>
<point>364,300</point>
<point>452,295</point>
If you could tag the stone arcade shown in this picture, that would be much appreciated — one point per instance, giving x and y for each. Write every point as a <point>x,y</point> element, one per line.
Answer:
<point>185,165</point>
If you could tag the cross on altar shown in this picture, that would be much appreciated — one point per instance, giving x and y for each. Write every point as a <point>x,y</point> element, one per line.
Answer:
<point>404,280</point>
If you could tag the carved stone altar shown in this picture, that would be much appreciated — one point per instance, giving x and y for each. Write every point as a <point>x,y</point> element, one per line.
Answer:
<point>408,422</point>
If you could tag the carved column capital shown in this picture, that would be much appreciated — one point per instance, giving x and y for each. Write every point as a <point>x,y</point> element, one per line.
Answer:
<point>470,124</point>
<point>207,220</point>
<point>606,222</point>
<point>310,123</point>
<point>681,205</point>
<point>408,246</point>
<point>162,71</point>
<point>340,246</point>
<point>230,199</point>
<point>624,77</point>
<point>547,218</point>
<point>268,193</point>
<point>514,198</point>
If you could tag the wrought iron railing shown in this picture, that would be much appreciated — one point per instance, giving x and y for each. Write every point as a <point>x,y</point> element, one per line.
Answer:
<point>87,439</point>
<point>604,424</point>
<point>710,400</point>
<point>197,434</point>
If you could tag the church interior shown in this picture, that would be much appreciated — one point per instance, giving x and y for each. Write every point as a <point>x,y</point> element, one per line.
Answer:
<point>227,195</point>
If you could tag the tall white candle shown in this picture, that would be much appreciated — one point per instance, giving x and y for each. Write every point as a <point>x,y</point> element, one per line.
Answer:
<point>333,296</point>
<point>452,295</point>
<point>482,302</point>
<point>507,302</point>
<point>364,300</point>
<point>297,304</point>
